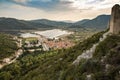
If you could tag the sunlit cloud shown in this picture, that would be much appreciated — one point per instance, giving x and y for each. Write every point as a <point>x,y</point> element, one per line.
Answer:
<point>91,4</point>
<point>66,4</point>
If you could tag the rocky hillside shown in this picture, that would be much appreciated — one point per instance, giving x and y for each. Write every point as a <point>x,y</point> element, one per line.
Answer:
<point>58,64</point>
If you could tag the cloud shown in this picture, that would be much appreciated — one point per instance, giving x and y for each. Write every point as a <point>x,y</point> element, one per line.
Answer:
<point>91,4</point>
<point>57,5</point>
<point>21,1</point>
<point>25,1</point>
<point>29,13</point>
<point>39,4</point>
<point>55,9</point>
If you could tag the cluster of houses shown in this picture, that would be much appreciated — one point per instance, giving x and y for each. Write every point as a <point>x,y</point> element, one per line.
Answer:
<point>46,40</point>
<point>38,44</point>
<point>47,44</point>
<point>29,44</point>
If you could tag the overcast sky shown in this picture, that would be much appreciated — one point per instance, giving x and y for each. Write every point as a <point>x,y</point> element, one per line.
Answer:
<point>73,10</point>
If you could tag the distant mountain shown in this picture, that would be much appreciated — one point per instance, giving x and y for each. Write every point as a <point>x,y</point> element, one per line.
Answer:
<point>52,23</point>
<point>68,21</point>
<point>15,24</point>
<point>81,22</point>
<point>100,22</point>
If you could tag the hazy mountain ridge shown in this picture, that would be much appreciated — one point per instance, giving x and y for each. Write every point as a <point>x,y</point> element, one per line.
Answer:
<point>52,23</point>
<point>100,22</point>
<point>81,22</point>
<point>15,24</point>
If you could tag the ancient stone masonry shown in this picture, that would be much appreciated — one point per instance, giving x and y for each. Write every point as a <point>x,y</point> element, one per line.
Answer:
<point>115,20</point>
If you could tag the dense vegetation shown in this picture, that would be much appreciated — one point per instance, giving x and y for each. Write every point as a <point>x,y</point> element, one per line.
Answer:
<point>7,45</point>
<point>52,65</point>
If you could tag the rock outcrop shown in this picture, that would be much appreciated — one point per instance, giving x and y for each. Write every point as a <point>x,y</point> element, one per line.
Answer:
<point>115,19</point>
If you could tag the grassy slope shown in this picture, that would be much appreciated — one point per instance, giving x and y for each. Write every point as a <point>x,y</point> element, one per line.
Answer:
<point>7,45</point>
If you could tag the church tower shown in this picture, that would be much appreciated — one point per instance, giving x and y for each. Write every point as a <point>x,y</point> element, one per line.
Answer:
<point>115,20</point>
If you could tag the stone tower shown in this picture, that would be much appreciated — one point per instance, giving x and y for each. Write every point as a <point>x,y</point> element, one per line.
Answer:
<point>115,20</point>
